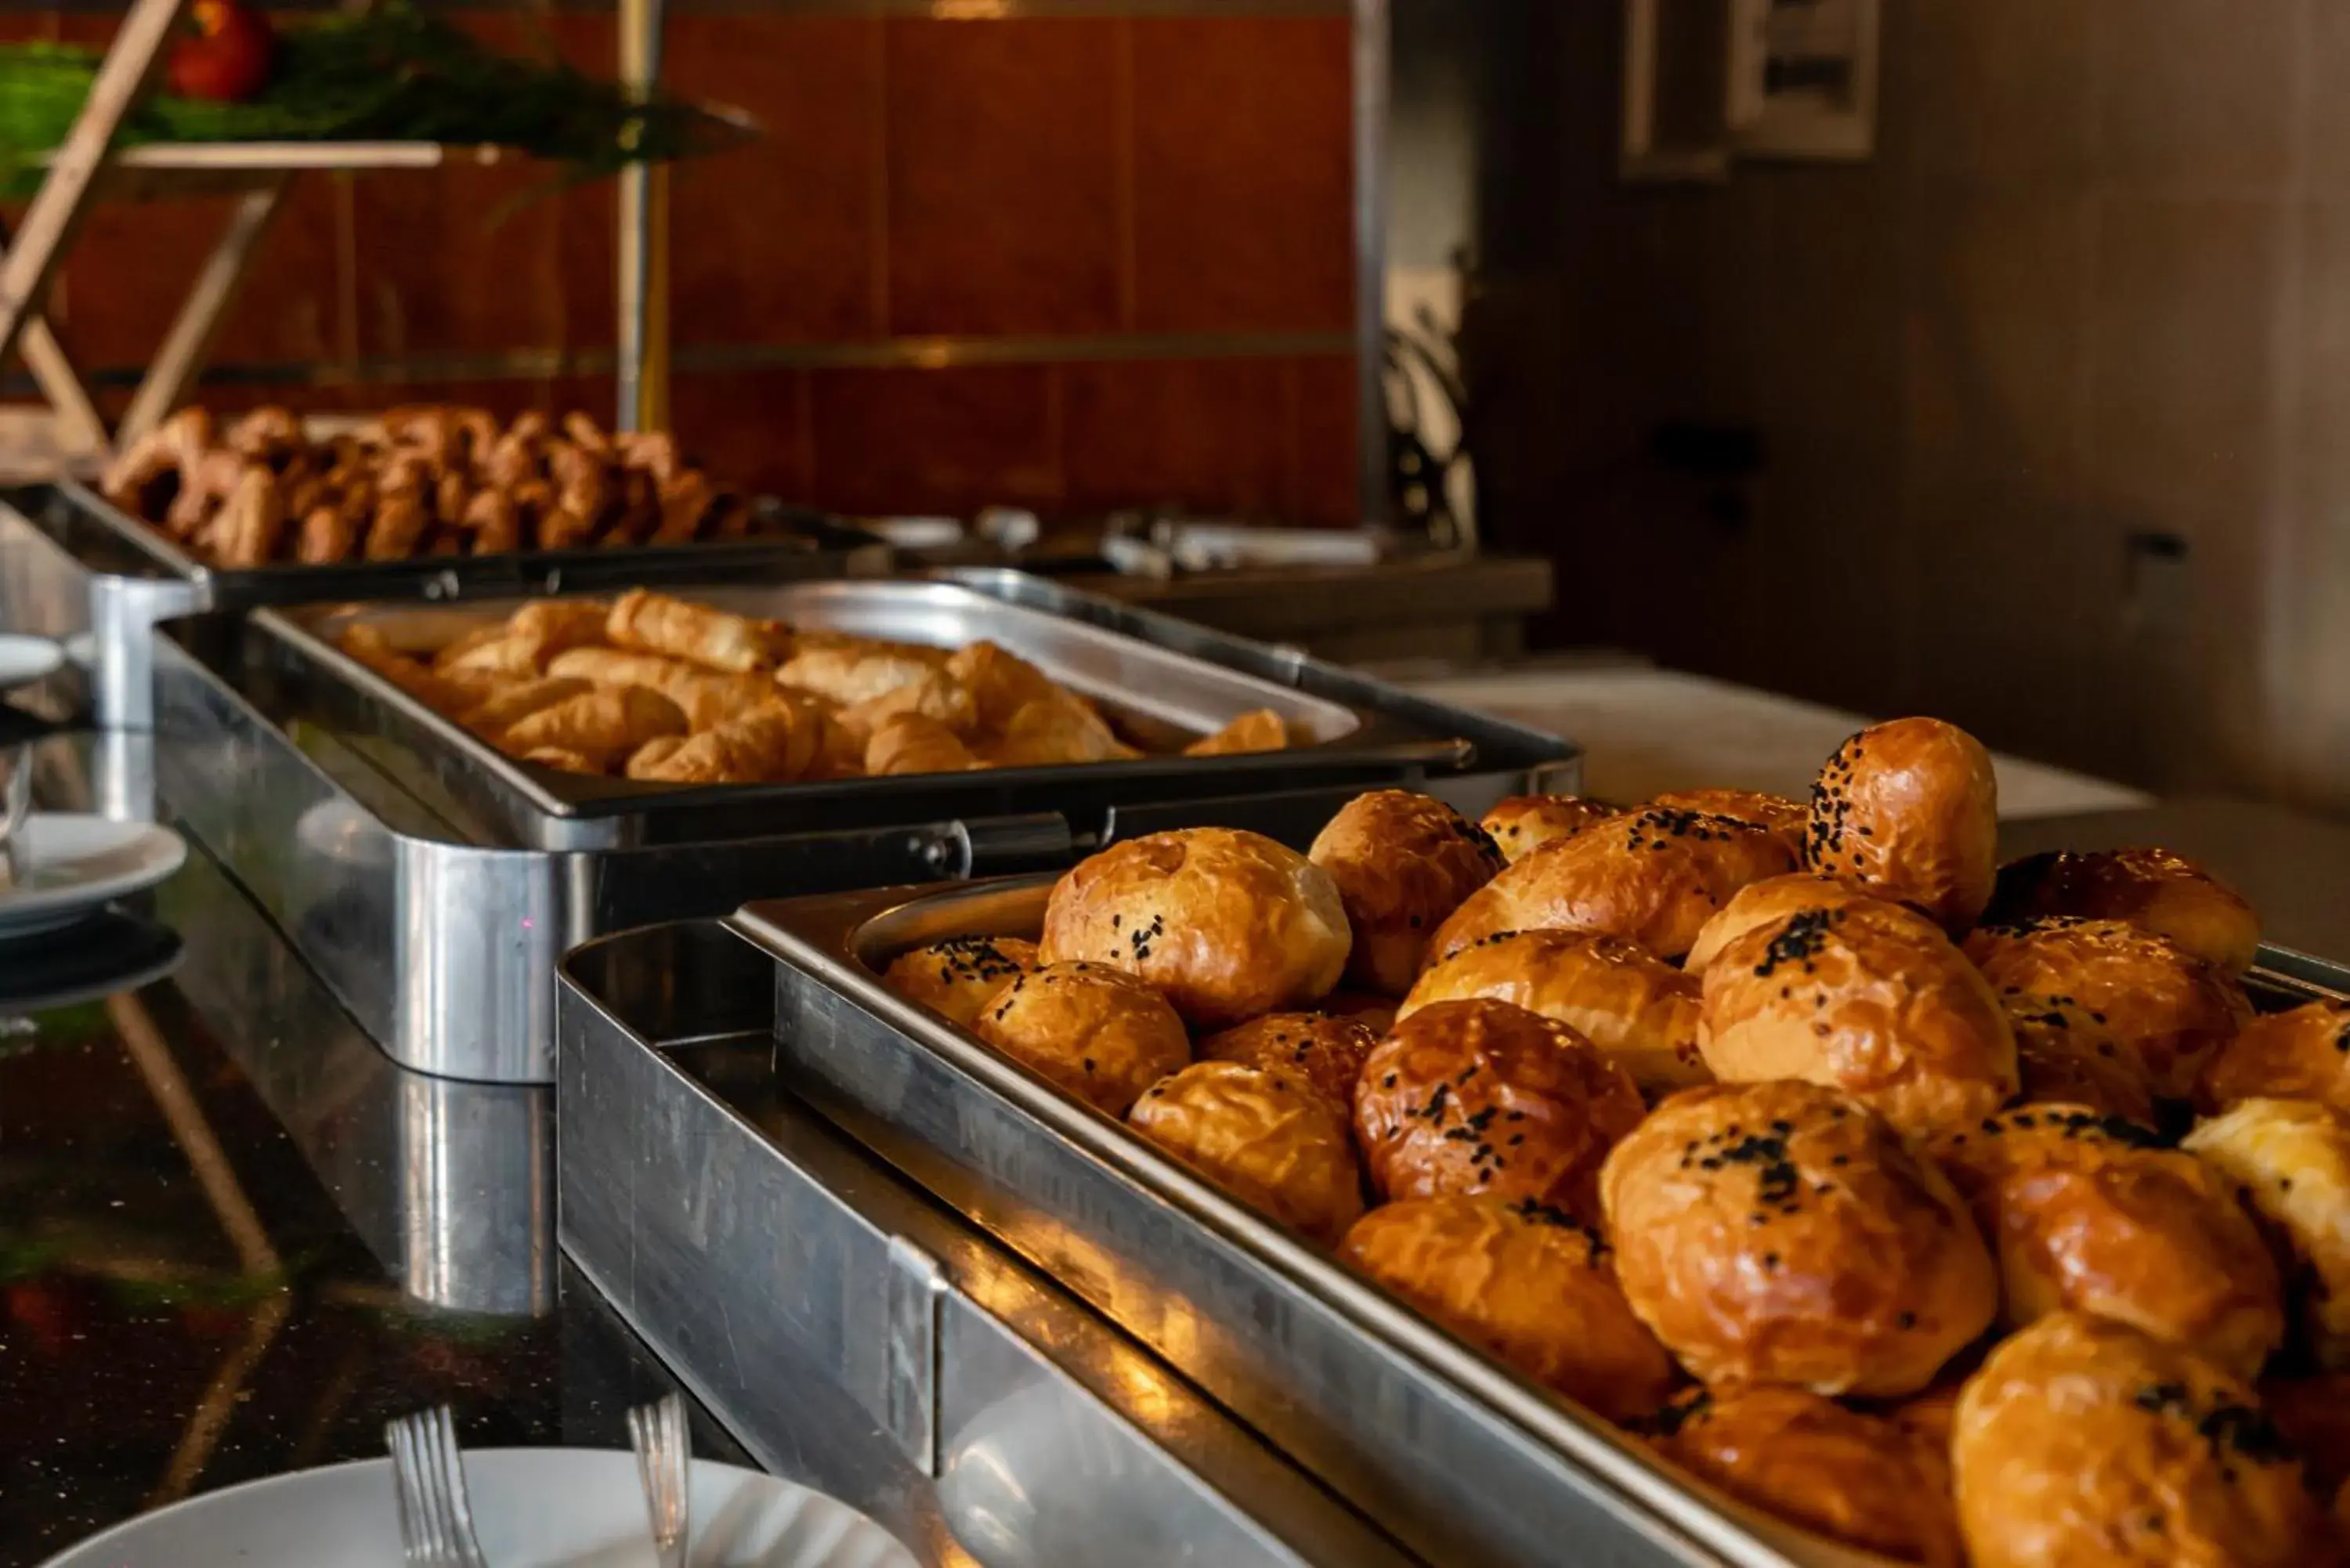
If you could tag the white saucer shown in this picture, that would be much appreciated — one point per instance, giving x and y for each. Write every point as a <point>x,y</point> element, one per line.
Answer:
<point>532,1508</point>
<point>71,865</point>
<point>24,659</point>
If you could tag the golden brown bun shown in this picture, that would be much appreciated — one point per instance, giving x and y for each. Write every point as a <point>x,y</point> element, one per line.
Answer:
<point>1097,1032</point>
<point>1328,1053</point>
<point>1785,820</point>
<point>1871,999</point>
<point>1377,1013</point>
<point>1638,1010</point>
<point>2301,1055</point>
<point>1910,810</point>
<point>1524,823</point>
<point>1481,1097</point>
<point>2083,1443</point>
<point>1934,1412</point>
<point>1402,862</point>
<point>2174,1010</point>
<point>1525,1282</point>
<point>1761,903</point>
<point>2161,892</point>
<point>1786,1233</point>
<point>1861,1479</point>
<point>957,978</point>
<point>1266,1136</point>
<point>2065,1057</point>
<point>2087,1213</point>
<point>2291,1160</point>
<point>1228,924</point>
<point>1654,878</point>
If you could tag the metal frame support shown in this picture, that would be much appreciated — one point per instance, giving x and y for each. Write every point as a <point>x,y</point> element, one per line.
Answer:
<point>1373,42</point>
<point>642,284</point>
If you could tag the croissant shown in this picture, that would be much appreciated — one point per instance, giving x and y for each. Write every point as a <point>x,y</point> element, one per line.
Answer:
<point>1001,682</point>
<point>910,743</point>
<point>509,658</point>
<point>856,671</point>
<point>1061,728</point>
<point>655,623</point>
<point>935,695</point>
<point>328,536</point>
<point>608,722</point>
<point>369,647</point>
<point>562,759</point>
<point>560,624</point>
<point>508,705</point>
<point>651,754</point>
<point>772,744</point>
<point>1262,730</point>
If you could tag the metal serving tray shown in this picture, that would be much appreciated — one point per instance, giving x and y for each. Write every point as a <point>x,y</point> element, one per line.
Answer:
<point>1161,692</point>
<point>82,570</point>
<point>1463,1460</point>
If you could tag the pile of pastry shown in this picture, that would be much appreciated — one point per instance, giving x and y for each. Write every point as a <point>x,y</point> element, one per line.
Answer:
<point>1957,1212</point>
<point>423,481</point>
<point>669,692</point>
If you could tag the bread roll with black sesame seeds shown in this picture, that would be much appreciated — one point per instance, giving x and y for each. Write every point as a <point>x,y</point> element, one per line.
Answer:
<point>1097,1032</point>
<point>2300,1055</point>
<point>1654,877</point>
<point>1638,1010</point>
<point>1326,1052</point>
<point>1871,999</point>
<point>1481,1097</point>
<point>1377,1013</point>
<point>1786,1233</point>
<point>2152,889</point>
<point>1402,862</point>
<point>1857,1479</point>
<point>2065,1057</point>
<point>1266,1135</point>
<point>2174,1010</point>
<point>1528,1282</point>
<point>2291,1161</point>
<point>1761,903</point>
<point>957,978</point>
<point>1526,823</point>
<point>2089,1213</point>
<point>1785,820</point>
<point>2083,1443</point>
<point>1910,810</point>
<point>1226,924</point>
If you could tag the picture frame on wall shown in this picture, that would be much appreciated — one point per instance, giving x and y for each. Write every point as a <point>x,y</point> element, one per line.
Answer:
<point>1708,82</point>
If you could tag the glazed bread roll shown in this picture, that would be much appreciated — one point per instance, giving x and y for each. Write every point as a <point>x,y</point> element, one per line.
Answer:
<point>1377,1013</point>
<point>2291,1160</point>
<point>509,704</point>
<point>1000,681</point>
<point>773,744</point>
<point>851,673</point>
<point>2301,1055</point>
<point>1762,903</point>
<point>1526,823</point>
<point>607,722</point>
<point>1861,1479</point>
<point>1264,1135</point>
<point>2154,889</point>
<point>2174,1010</point>
<point>910,743</point>
<point>1481,1097</point>
<point>655,623</point>
<point>1654,878</point>
<point>1100,1034</point>
<point>2089,1214</point>
<point>1786,1233</point>
<point>1787,820</point>
<point>1528,1283</point>
<point>1871,999</point>
<point>706,698</point>
<point>2084,1443</point>
<point>1227,924</point>
<point>1638,1010</point>
<point>1261,730</point>
<point>1327,1052</point>
<point>2065,1057</point>
<point>1910,810</point>
<point>958,977</point>
<point>1402,863</point>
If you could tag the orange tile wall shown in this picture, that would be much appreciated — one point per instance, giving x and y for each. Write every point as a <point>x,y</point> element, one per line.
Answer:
<point>1148,216</point>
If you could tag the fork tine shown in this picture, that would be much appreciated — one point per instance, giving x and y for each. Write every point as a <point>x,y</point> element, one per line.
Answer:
<point>462,1541</point>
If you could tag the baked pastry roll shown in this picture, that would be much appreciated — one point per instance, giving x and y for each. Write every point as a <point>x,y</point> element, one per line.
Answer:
<point>933,695</point>
<point>1403,861</point>
<point>1524,823</point>
<point>1766,902</point>
<point>1228,924</point>
<point>563,760</point>
<point>449,694</point>
<point>1871,999</point>
<point>1910,810</point>
<point>509,704</point>
<point>958,977</point>
<point>2065,1057</point>
<point>1377,1013</point>
<point>507,657</point>
<point>1097,1032</point>
<point>1787,820</point>
<point>707,698</point>
<point>645,759</point>
<point>2300,1055</point>
<point>1786,1233</point>
<point>1857,1479</point>
<point>1527,1282</point>
<point>608,722</point>
<point>1262,730</point>
<point>1328,1053</point>
<point>2090,1214</point>
<point>2291,1161</point>
<point>447,655</point>
<point>910,743</point>
<point>770,745</point>
<point>1057,730</point>
<point>2154,889</point>
<point>1638,1010</point>
<point>655,623</point>
<point>1481,1097</point>
<point>1654,877</point>
<point>1000,681</point>
<point>1266,1135</point>
<point>2083,1443</point>
<point>854,672</point>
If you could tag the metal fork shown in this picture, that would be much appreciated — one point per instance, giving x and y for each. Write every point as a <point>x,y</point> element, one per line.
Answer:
<point>657,1431</point>
<point>436,1520</point>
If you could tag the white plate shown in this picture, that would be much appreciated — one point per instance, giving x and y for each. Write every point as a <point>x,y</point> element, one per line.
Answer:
<point>24,659</point>
<point>71,865</point>
<point>532,1508</point>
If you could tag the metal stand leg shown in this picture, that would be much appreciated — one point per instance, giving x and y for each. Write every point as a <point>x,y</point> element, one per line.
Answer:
<point>181,357</point>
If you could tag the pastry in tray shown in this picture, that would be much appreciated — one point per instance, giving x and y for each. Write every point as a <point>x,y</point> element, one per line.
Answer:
<point>1858,1178</point>
<point>665,691</point>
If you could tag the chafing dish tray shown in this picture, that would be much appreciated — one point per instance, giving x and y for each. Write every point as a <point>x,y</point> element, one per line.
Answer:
<point>83,570</point>
<point>1463,1458</point>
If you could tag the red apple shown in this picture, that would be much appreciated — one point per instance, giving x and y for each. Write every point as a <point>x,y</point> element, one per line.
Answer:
<point>227,58</point>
